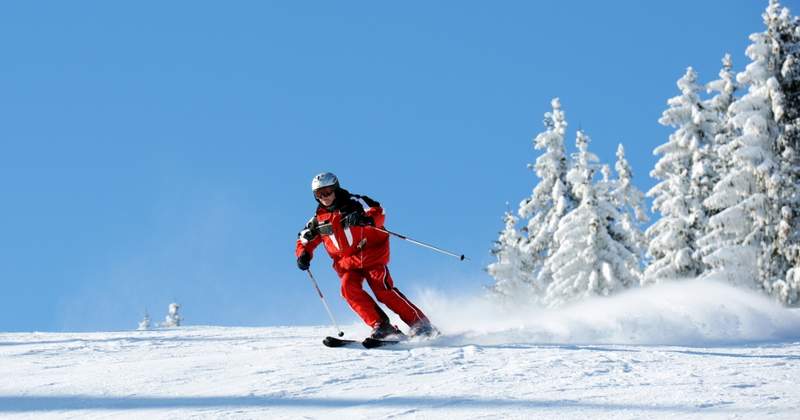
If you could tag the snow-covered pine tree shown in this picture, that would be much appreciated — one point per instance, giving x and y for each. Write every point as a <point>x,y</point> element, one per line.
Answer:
<point>725,88</point>
<point>747,196</point>
<point>628,202</point>
<point>615,211</point>
<point>683,170</point>
<point>513,270</point>
<point>586,260</point>
<point>144,324</point>
<point>173,319</point>
<point>717,117</point>
<point>784,31</point>
<point>625,194</point>
<point>551,199</point>
<point>720,151</point>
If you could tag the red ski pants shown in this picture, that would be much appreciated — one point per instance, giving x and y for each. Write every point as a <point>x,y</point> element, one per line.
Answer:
<point>380,281</point>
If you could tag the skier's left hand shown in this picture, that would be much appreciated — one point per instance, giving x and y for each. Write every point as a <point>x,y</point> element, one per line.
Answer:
<point>304,261</point>
<point>357,219</point>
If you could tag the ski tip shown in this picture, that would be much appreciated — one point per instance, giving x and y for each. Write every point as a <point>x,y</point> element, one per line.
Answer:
<point>336,342</point>
<point>372,343</point>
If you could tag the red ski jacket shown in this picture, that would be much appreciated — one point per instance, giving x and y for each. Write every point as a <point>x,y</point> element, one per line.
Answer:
<point>350,247</point>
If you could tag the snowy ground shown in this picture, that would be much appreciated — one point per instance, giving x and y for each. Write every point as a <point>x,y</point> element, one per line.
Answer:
<point>483,372</point>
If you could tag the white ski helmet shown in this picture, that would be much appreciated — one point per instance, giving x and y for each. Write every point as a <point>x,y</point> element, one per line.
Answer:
<point>325,179</point>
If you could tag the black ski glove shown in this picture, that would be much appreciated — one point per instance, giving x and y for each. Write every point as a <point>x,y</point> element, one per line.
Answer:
<point>357,219</point>
<point>304,261</point>
<point>309,234</point>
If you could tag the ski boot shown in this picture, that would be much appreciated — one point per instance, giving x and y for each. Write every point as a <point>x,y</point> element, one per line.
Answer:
<point>384,331</point>
<point>423,329</point>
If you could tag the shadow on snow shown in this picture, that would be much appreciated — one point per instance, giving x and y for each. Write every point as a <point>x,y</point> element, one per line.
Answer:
<point>23,404</point>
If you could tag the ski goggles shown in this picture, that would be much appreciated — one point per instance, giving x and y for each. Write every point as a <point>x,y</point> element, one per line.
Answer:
<point>324,192</point>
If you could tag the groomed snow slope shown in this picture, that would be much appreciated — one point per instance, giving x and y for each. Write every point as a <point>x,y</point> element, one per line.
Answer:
<point>624,357</point>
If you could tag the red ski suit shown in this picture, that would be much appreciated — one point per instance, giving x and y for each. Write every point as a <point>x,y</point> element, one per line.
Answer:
<point>358,253</point>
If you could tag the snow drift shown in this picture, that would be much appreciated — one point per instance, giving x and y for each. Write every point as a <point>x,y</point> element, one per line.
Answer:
<point>686,313</point>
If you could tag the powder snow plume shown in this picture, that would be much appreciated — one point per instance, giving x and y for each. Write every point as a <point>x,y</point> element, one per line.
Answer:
<point>687,313</point>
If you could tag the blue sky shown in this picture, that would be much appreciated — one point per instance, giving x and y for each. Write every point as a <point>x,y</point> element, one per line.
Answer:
<point>159,151</point>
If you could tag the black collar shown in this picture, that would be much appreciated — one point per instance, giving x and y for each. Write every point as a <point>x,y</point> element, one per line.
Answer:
<point>342,200</point>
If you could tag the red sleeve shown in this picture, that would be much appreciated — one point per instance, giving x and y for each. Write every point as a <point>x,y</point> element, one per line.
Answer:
<point>377,214</point>
<point>307,245</point>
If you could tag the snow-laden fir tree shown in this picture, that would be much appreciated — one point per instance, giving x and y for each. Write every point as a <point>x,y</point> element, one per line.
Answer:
<point>723,90</point>
<point>621,209</point>
<point>783,37</point>
<point>746,196</point>
<point>762,225</point>
<point>552,197</point>
<point>620,215</point>
<point>144,324</point>
<point>684,171</point>
<point>540,213</point>
<point>512,272</point>
<point>173,319</point>
<point>629,212</point>
<point>586,260</point>
<point>715,236</point>
<point>625,194</point>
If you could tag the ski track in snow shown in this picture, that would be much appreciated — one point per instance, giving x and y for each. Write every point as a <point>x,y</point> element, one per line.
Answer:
<point>285,372</point>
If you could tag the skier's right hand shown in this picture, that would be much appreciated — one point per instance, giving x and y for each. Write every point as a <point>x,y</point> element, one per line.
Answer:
<point>304,261</point>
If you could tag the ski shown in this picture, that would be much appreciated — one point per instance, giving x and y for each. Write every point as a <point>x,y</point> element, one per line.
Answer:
<point>369,343</point>
<point>372,343</point>
<point>337,342</point>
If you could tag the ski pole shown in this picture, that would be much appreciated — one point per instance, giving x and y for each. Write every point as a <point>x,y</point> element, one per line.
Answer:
<point>423,244</point>
<point>316,286</point>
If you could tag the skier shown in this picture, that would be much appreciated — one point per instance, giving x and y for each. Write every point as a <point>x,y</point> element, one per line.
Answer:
<point>350,227</point>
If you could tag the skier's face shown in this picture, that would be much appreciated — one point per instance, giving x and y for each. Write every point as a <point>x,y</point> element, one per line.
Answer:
<point>326,195</point>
